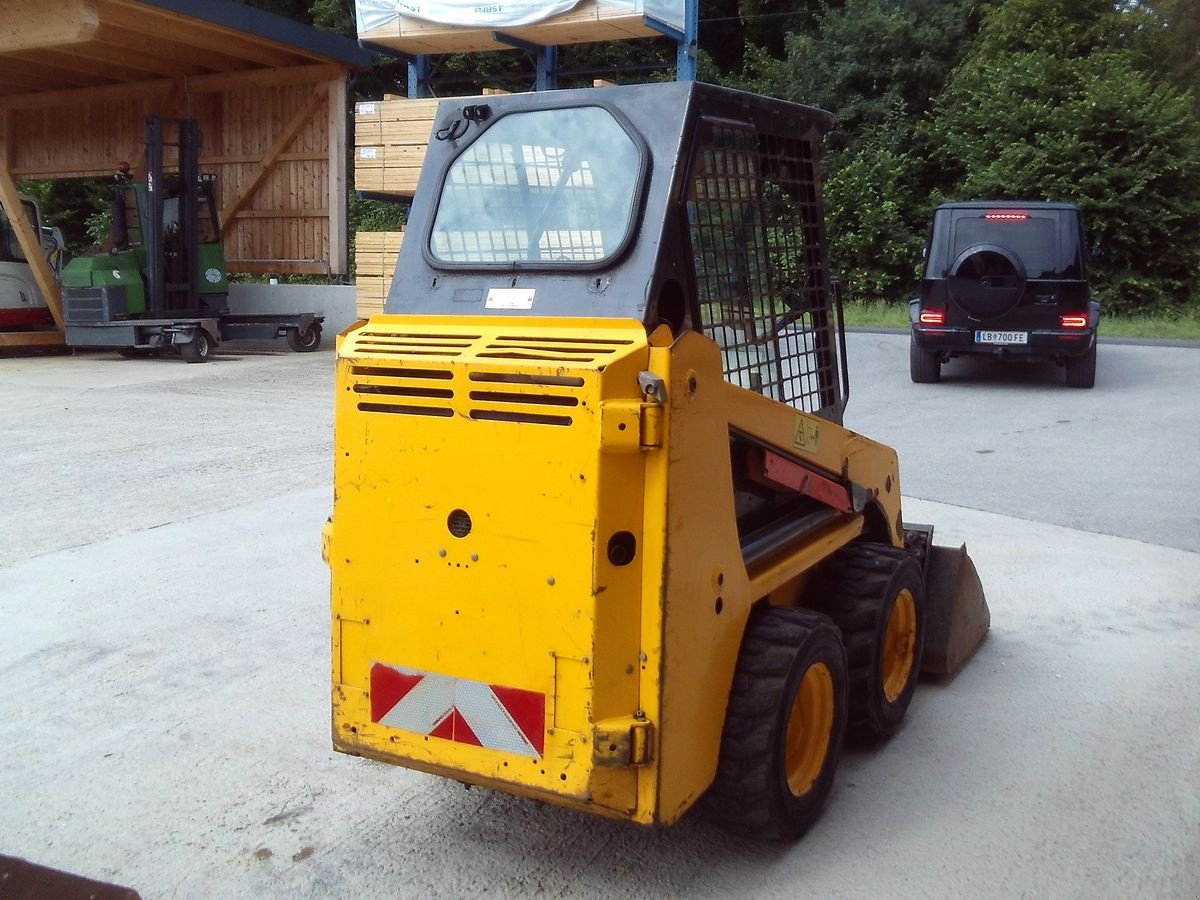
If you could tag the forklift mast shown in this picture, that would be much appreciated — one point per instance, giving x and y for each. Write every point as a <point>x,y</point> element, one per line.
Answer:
<point>174,206</point>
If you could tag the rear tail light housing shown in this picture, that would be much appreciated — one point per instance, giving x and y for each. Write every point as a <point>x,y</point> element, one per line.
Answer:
<point>1073,320</point>
<point>933,317</point>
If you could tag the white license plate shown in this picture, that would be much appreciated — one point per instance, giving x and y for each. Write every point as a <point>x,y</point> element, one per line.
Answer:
<point>1002,337</point>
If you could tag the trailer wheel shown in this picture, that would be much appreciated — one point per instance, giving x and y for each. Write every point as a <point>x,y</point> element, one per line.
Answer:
<point>875,594</point>
<point>783,727</point>
<point>304,340</point>
<point>198,349</point>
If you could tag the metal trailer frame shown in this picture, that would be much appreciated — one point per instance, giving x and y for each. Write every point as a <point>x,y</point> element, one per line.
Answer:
<point>155,334</point>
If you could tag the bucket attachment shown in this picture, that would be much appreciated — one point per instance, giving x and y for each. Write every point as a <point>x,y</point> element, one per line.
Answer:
<point>956,613</point>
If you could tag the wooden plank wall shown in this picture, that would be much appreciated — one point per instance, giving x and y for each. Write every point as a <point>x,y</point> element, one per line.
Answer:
<point>288,216</point>
<point>292,220</point>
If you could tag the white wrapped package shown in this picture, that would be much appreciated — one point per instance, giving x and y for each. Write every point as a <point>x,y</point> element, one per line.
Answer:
<point>372,14</point>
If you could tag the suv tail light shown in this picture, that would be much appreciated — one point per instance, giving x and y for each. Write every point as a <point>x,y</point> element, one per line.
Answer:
<point>934,317</point>
<point>1006,216</point>
<point>1073,320</point>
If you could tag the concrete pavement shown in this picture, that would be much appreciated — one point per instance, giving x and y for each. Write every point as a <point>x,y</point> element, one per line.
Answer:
<point>1119,458</point>
<point>165,639</point>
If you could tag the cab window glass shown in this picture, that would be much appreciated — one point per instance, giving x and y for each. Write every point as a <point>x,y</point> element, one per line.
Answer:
<point>10,250</point>
<point>1033,239</point>
<point>552,188</point>
<point>10,247</point>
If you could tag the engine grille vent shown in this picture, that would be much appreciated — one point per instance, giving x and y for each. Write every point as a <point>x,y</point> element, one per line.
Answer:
<point>551,348</point>
<point>386,383</point>
<point>396,343</point>
<point>495,396</point>
<point>528,390</point>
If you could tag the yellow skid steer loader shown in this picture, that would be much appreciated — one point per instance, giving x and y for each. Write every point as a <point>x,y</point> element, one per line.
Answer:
<point>598,534</point>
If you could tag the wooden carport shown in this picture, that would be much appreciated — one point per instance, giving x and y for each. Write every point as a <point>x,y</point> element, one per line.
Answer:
<point>77,78</point>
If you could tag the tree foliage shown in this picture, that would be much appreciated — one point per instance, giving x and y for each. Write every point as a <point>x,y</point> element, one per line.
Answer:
<point>79,207</point>
<point>870,61</point>
<point>877,64</point>
<point>334,15</point>
<point>868,207</point>
<point>1046,107</point>
<point>1091,101</point>
<point>1166,36</point>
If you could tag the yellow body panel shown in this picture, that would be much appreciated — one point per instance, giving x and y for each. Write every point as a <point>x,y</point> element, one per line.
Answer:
<point>536,431</point>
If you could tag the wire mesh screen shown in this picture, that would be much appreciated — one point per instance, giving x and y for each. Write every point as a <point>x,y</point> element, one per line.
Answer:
<point>755,221</point>
<point>552,186</point>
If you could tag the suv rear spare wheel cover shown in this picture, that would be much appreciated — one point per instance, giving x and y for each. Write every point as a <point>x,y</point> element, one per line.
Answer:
<point>986,281</point>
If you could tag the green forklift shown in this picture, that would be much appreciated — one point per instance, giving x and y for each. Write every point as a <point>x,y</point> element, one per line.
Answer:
<point>162,287</point>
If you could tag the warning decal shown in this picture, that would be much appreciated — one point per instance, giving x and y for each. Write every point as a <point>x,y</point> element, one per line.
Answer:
<point>458,709</point>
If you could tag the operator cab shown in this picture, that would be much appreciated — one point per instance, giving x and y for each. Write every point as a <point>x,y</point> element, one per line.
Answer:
<point>690,206</point>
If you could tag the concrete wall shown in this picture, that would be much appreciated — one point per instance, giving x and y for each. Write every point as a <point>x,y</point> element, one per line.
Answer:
<point>335,302</point>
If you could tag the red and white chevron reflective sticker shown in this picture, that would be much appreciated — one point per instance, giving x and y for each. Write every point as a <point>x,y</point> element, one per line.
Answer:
<point>458,709</point>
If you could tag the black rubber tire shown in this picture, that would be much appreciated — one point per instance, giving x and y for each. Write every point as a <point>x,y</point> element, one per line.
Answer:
<point>858,589</point>
<point>304,340</point>
<point>198,349</point>
<point>1081,370</point>
<point>924,366</point>
<point>750,794</point>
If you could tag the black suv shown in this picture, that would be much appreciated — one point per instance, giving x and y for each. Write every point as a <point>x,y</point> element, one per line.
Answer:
<point>1007,280</point>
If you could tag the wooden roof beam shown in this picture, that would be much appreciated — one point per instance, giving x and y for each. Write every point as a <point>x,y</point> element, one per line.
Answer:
<point>170,52</point>
<point>199,84</point>
<point>289,77</point>
<point>23,77</point>
<point>86,65</point>
<point>58,76</point>
<point>32,24</point>
<point>158,25</point>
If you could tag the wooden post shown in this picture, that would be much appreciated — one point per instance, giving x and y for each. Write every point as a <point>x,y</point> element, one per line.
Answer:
<point>339,263</point>
<point>27,236</point>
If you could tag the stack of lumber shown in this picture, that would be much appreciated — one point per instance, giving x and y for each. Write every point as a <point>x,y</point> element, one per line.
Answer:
<point>375,255</point>
<point>390,137</point>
